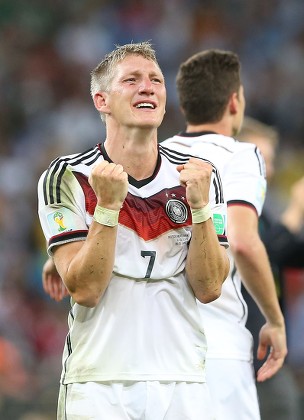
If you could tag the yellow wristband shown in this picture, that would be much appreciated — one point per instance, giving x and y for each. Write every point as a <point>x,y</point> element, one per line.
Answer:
<point>201,215</point>
<point>106,217</point>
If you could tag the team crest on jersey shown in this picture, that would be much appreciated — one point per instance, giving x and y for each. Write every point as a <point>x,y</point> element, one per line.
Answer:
<point>177,211</point>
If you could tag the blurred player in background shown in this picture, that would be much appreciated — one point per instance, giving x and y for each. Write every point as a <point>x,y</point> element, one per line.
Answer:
<point>212,100</point>
<point>279,396</point>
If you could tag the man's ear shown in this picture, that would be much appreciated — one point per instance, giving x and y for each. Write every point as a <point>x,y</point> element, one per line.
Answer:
<point>101,102</point>
<point>233,103</point>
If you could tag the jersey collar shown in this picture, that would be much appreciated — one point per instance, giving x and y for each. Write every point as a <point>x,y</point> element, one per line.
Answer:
<point>136,183</point>
<point>195,133</point>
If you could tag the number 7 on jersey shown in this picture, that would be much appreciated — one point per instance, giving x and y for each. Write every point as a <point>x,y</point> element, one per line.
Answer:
<point>152,255</point>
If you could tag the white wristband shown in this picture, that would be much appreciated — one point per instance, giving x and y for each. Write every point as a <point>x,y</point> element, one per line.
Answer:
<point>106,217</point>
<point>201,215</point>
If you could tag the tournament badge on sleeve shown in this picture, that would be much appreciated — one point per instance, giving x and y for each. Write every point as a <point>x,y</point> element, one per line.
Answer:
<point>60,221</point>
<point>219,223</point>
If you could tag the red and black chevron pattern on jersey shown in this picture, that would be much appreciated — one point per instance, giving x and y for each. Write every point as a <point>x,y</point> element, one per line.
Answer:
<point>145,216</point>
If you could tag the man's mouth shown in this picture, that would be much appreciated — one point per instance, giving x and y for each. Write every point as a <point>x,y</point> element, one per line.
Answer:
<point>146,105</point>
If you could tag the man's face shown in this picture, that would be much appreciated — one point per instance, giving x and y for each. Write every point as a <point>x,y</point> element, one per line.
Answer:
<point>137,95</point>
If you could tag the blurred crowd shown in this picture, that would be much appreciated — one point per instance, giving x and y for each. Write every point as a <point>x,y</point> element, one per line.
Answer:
<point>47,51</point>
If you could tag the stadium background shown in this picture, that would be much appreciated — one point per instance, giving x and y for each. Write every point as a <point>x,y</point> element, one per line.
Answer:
<point>47,50</point>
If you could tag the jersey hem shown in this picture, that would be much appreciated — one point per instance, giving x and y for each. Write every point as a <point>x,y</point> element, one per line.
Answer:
<point>134,378</point>
<point>224,356</point>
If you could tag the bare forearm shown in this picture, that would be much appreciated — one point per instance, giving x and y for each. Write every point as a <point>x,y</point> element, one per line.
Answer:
<point>257,277</point>
<point>293,216</point>
<point>207,262</point>
<point>88,272</point>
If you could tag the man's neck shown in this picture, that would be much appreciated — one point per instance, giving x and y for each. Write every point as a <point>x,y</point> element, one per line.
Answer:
<point>220,127</point>
<point>137,152</point>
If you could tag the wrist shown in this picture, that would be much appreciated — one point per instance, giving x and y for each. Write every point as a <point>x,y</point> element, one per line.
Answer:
<point>201,215</point>
<point>276,321</point>
<point>105,216</point>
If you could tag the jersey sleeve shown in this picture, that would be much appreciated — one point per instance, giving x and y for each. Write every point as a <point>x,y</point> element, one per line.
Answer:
<point>245,179</point>
<point>218,208</point>
<point>61,209</point>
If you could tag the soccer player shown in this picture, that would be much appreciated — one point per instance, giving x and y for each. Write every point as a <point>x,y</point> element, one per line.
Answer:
<point>279,396</point>
<point>212,100</point>
<point>130,228</point>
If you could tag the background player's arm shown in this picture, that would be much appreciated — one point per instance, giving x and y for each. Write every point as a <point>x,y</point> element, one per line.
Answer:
<point>253,264</point>
<point>207,263</point>
<point>52,282</point>
<point>293,216</point>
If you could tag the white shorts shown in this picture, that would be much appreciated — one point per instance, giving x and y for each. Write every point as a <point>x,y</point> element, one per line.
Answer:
<point>233,390</point>
<point>150,400</point>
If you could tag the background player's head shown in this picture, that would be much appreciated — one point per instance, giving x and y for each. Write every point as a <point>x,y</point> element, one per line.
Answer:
<point>209,88</point>
<point>264,136</point>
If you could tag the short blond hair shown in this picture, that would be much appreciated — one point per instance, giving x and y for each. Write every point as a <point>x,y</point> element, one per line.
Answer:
<point>102,75</point>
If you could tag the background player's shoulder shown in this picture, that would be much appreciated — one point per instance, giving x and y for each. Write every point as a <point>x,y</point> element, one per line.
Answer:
<point>175,155</point>
<point>243,145</point>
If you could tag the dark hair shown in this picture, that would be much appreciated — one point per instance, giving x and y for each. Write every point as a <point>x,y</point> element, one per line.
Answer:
<point>205,83</point>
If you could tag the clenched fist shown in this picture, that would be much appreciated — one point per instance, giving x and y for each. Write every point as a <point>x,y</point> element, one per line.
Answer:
<point>195,175</point>
<point>110,184</point>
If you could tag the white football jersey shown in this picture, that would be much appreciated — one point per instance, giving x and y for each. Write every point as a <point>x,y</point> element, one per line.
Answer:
<point>242,171</point>
<point>147,324</point>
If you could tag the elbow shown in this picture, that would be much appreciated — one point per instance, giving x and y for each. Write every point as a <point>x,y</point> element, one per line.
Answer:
<point>210,293</point>
<point>209,288</point>
<point>89,300</point>
<point>86,296</point>
<point>240,248</point>
<point>84,291</point>
<point>209,296</point>
<point>214,292</point>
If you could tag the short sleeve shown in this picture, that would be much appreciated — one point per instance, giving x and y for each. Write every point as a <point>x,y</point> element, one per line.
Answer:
<point>245,178</point>
<point>62,216</point>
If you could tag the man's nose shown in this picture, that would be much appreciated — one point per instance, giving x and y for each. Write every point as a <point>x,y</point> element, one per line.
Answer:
<point>146,86</point>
